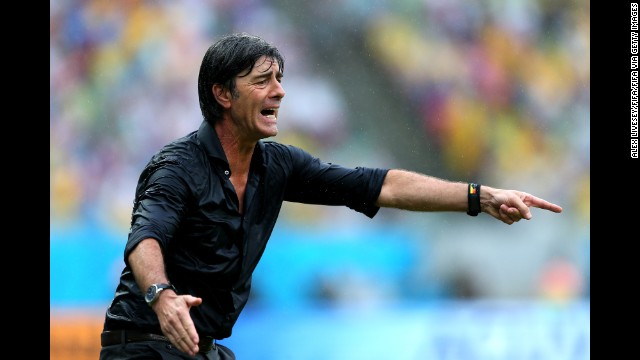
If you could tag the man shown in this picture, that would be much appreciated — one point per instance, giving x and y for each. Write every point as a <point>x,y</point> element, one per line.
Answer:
<point>206,204</point>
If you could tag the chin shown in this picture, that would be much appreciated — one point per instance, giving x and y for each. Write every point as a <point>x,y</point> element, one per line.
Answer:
<point>268,134</point>
<point>273,131</point>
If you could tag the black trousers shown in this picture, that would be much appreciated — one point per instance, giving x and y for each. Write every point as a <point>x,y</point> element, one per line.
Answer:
<point>160,350</point>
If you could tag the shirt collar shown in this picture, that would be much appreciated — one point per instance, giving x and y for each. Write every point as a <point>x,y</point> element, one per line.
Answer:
<point>208,138</point>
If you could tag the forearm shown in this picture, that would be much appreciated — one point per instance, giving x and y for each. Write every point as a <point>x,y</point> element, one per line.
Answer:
<point>147,264</point>
<point>148,268</point>
<point>417,192</point>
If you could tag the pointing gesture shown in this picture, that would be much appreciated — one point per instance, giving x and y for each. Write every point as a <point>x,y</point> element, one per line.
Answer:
<point>511,206</point>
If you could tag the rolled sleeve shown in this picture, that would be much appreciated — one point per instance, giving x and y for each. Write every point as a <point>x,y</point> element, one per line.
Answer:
<point>160,204</point>
<point>316,182</point>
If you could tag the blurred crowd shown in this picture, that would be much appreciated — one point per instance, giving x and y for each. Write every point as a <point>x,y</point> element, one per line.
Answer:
<point>500,90</point>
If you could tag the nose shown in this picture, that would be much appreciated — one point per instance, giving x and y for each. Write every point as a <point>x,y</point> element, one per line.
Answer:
<point>277,90</point>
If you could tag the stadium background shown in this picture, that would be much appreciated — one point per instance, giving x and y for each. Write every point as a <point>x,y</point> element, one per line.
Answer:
<point>496,92</point>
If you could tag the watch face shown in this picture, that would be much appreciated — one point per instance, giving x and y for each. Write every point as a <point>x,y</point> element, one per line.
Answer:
<point>154,290</point>
<point>151,293</point>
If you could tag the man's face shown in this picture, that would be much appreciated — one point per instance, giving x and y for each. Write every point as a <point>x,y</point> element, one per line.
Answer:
<point>254,109</point>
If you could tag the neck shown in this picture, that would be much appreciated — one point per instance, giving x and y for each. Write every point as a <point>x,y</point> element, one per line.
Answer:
<point>237,150</point>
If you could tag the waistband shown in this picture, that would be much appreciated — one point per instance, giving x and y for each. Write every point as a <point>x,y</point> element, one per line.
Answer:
<point>115,337</point>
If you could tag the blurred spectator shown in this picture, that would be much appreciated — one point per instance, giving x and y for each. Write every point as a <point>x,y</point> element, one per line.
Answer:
<point>560,281</point>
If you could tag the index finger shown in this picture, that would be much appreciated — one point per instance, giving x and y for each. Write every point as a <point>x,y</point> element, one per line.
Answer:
<point>531,200</point>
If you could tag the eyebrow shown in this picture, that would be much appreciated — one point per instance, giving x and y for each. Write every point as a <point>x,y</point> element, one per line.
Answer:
<point>265,74</point>
<point>268,74</point>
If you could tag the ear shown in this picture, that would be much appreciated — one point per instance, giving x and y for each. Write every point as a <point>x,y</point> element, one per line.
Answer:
<point>222,95</point>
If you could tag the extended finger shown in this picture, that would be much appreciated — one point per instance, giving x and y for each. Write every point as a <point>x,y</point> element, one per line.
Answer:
<point>543,204</point>
<point>187,345</point>
<point>183,341</point>
<point>189,335</point>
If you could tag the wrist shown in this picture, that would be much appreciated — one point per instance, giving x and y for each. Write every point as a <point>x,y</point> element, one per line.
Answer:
<point>473,199</point>
<point>155,290</point>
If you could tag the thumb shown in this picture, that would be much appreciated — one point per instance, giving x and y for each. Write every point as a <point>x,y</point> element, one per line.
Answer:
<point>524,210</point>
<point>192,300</point>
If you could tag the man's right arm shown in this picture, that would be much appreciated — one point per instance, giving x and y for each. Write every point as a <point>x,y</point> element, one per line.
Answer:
<point>147,263</point>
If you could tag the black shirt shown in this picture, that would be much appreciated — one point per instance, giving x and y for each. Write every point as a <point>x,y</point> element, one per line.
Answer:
<point>185,200</point>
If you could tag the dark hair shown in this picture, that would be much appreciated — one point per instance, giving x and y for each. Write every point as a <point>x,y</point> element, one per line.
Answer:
<point>229,56</point>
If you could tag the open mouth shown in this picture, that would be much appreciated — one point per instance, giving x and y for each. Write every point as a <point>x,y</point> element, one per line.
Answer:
<point>270,113</point>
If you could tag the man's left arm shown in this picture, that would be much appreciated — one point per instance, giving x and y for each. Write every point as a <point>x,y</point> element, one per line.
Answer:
<point>408,190</point>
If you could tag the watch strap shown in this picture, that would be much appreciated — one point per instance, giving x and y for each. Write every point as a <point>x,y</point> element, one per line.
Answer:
<point>473,199</point>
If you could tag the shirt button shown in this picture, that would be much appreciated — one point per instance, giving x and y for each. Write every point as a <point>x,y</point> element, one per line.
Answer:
<point>226,172</point>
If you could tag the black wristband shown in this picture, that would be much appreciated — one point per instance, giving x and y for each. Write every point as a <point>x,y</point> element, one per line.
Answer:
<point>473,197</point>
